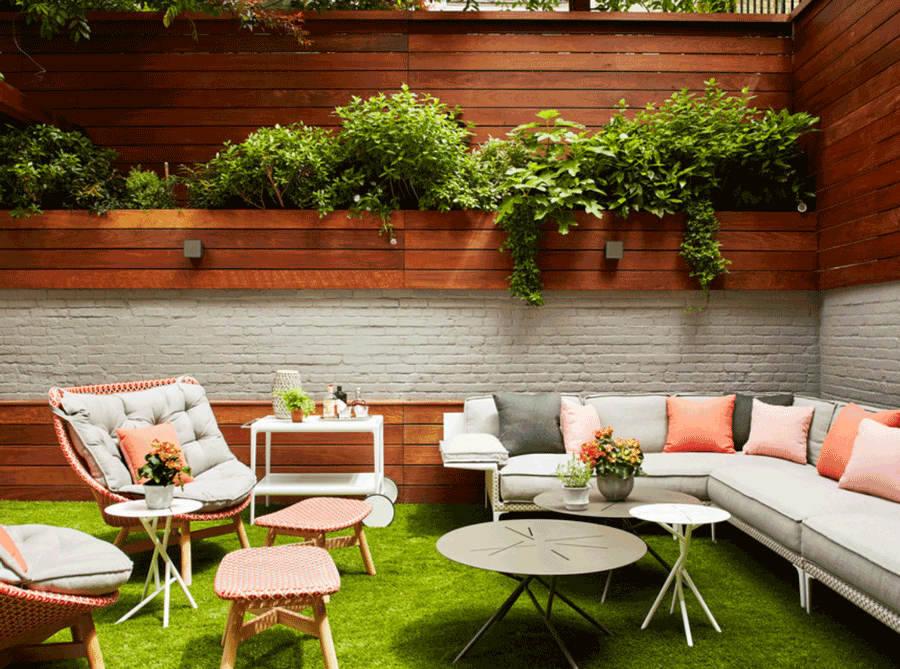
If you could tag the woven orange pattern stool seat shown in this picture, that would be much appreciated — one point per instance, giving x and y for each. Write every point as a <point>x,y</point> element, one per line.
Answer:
<point>312,518</point>
<point>276,583</point>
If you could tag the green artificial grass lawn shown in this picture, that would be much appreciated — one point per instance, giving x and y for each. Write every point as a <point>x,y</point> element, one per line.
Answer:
<point>421,609</point>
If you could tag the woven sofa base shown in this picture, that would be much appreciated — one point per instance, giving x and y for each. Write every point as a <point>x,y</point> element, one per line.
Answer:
<point>871,606</point>
<point>498,505</point>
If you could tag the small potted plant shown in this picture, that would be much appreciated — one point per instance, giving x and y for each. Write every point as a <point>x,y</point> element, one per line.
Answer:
<point>163,470</point>
<point>296,401</point>
<point>575,475</point>
<point>616,462</point>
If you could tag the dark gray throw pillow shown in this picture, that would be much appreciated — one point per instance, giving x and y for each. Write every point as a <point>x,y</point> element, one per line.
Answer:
<point>743,412</point>
<point>529,422</point>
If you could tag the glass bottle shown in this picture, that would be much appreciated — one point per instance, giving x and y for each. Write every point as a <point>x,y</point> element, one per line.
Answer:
<point>359,406</point>
<point>341,398</point>
<point>329,405</point>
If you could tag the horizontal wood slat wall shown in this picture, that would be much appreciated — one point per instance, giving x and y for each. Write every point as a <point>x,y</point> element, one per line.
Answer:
<point>32,466</point>
<point>847,66</point>
<point>157,95</point>
<point>433,250</point>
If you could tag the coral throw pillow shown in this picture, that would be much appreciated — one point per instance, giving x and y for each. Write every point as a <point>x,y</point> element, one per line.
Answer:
<point>874,465</point>
<point>10,547</point>
<point>838,442</point>
<point>699,425</point>
<point>779,432</point>
<point>135,445</point>
<point>578,425</point>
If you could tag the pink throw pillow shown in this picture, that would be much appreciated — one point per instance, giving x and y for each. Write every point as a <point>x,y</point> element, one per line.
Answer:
<point>578,425</point>
<point>838,444</point>
<point>9,545</point>
<point>136,444</point>
<point>700,425</point>
<point>779,432</point>
<point>874,465</point>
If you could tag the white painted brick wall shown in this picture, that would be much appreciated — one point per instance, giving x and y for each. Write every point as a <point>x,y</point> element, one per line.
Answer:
<point>860,344</point>
<point>411,345</point>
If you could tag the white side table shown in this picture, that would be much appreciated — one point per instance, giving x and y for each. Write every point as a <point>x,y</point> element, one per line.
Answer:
<point>381,490</point>
<point>150,519</point>
<point>680,520</point>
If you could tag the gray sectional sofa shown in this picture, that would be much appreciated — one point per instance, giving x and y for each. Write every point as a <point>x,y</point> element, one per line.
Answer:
<point>850,541</point>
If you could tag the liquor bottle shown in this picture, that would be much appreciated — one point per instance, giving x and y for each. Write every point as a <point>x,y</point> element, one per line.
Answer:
<point>329,405</point>
<point>341,398</point>
<point>359,406</point>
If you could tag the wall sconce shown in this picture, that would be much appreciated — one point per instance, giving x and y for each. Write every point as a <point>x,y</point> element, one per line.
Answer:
<point>193,249</point>
<point>614,250</point>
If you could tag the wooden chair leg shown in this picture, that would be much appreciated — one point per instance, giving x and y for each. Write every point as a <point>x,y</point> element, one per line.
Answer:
<point>241,532</point>
<point>84,632</point>
<point>364,548</point>
<point>271,533</point>
<point>233,631</point>
<point>184,541</point>
<point>121,537</point>
<point>319,538</point>
<point>323,631</point>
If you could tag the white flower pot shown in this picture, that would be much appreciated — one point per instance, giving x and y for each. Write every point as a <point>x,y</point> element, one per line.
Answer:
<point>159,496</point>
<point>576,499</point>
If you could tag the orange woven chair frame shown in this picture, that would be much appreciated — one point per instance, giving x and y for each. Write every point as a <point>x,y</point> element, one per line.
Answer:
<point>28,617</point>
<point>181,524</point>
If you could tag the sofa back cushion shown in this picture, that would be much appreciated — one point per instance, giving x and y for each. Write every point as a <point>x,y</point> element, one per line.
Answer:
<point>480,413</point>
<point>96,418</point>
<point>641,417</point>
<point>822,416</point>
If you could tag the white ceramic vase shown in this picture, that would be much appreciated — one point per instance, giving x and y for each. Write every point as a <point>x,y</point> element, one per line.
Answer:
<point>284,379</point>
<point>159,496</point>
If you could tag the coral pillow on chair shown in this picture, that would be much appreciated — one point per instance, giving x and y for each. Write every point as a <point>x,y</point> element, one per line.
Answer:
<point>838,442</point>
<point>699,425</point>
<point>7,544</point>
<point>578,425</point>
<point>135,445</point>
<point>779,432</point>
<point>874,465</point>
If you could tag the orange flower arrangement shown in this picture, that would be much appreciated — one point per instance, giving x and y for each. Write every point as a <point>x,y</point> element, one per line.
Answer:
<point>164,464</point>
<point>620,457</point>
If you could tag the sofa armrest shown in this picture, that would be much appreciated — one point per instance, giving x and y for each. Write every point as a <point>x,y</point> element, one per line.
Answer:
<point>473,451</point>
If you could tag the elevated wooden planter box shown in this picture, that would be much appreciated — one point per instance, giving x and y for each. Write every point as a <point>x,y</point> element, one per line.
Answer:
<point>279,249</point>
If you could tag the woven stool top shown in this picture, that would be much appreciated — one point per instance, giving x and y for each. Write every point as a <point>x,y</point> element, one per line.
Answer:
<point>317,514</point>
<point>276,572</point>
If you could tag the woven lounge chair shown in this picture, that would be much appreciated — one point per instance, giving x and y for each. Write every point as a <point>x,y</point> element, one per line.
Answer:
<point>86,419</point>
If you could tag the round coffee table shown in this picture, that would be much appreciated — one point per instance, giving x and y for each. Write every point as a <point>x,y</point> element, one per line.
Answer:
<point>530,549</point>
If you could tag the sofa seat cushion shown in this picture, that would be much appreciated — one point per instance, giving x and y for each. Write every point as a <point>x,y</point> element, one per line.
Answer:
<point>862,549</point>
<point>66,561</point>
<point>686,472</point>
<point>225,485</point>
<point>777,496</point>
<point>526,476</point>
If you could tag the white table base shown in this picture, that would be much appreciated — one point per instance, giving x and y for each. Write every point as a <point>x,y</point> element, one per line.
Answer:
<point>171,575</point>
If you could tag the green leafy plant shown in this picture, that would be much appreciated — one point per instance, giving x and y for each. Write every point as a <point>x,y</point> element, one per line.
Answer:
<point>402,151</point>
<point>42,166</point>
<point>144,189</point>
<point>296,399</point>
<point>284,166</point>
<point>574,473</point>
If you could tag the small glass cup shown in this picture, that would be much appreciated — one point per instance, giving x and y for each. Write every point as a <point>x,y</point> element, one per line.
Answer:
<point>346,412</point>
<point>361,410</point>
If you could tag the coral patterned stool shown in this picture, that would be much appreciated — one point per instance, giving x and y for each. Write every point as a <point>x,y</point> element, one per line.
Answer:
<point>275,583</point>
<point>312,518</point>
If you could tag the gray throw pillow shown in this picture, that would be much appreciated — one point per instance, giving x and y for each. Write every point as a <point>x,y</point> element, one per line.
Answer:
<point>743,412</point>
<point>529,422</point>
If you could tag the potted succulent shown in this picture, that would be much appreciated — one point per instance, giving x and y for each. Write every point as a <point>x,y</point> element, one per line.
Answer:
<point>296,401</point>
<point>163,470</point>
<point>616,462</point>
<point>575,475</point>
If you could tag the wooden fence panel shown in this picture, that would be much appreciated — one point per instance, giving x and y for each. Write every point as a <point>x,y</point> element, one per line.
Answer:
<point>847,66</point>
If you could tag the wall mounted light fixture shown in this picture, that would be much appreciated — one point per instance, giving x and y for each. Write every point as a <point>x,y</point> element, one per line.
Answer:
<point>614,250</point>
<point>193,248</point>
